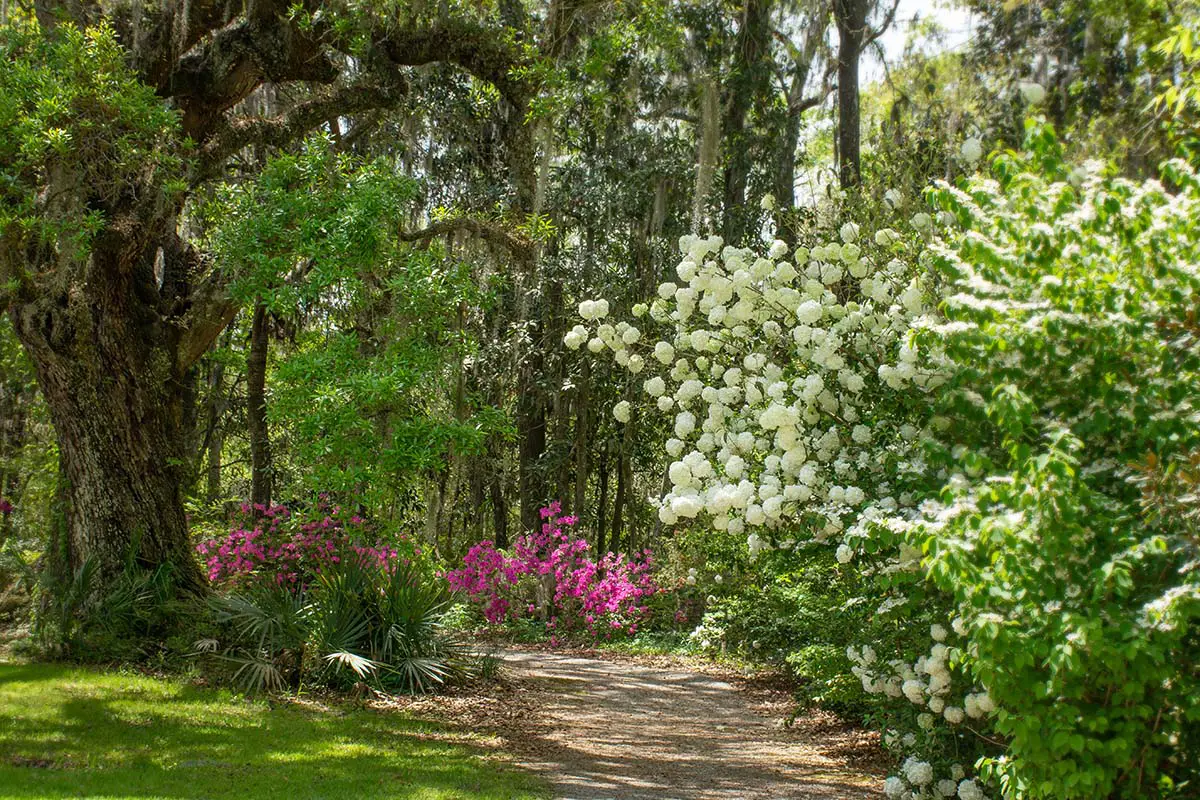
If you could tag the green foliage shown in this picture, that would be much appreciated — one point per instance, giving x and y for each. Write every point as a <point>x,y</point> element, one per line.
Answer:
<point>828,682</point>
<point>357,622</point>
<point>139,617</point>
<point>69,105</point>
<point>366,394</point>
<point>312,223</point>
<point>1072,308</point>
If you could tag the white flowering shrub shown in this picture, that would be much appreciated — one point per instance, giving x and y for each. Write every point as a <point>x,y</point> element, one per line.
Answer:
<point>785,377</point>
<point>767,370</point>
<point>991,417</point>
<point>1071,305</point>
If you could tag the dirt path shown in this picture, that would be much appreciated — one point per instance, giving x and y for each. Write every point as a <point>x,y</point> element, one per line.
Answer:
<point>626,731</point>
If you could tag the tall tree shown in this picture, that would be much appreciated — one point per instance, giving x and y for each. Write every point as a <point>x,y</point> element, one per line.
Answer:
<point>749,83</point>
<point>96,196</point>
<point>854,35</point>
<point>261,478</point>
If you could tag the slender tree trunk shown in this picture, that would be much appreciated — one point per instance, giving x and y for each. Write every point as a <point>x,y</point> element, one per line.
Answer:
<point>797,104</point>
<point>261,477</point>
<point>618,519</point>
<point>749,79</point>
<point>477,502</point>
<point>212,482</point>
<point>602,503</point>
<point>496,490</point>
<point>531,429</point>
<point>709,150</point>
<point>582,434</point>
<point>214,440</point>
<point>851,18</point>
<point>624,486</point>
<point>216,432</point>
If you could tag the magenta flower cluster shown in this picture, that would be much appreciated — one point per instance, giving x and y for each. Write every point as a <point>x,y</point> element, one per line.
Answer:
<point>549,572</point>
<point>272,543</point>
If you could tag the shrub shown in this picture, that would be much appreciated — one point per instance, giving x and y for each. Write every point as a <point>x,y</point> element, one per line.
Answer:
<point>988,413</point>
<point>358,620</point>
<point>279,545</point>
<point>549,574</point>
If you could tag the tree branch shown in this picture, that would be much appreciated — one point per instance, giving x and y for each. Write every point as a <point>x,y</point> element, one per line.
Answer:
<point>231,135</point>
<point>211,78</point>
<point>875,33</point>
<point>490,232</point>
<point>210,310</point>
<point>480,50</point>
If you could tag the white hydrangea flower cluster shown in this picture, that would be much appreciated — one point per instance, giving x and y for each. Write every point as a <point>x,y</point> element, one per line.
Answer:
<point>916,781</point>
<point>767,369</point>
<point>927,682</point>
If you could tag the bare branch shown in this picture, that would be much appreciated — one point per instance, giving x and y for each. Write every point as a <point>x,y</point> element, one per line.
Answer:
<point>875,33</point>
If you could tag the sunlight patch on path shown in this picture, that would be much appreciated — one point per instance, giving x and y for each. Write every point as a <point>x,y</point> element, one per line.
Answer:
<point>622,731</point>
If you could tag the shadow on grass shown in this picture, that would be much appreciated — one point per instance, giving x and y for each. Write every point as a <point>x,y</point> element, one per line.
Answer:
<point>68,732</point>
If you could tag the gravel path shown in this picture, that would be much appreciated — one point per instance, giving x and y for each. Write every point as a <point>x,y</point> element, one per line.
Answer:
<point>626,731</point>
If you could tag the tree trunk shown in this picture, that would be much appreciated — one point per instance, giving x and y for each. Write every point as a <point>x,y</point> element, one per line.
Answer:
<point>582,435</point>
<point>624,485</point>
<point>212,483</point>
<point>218,403</point>
<point>531,430</point>
<point>851,18</point>
<point>106,365</point>
<point>797,104</point>
<point>14,409</point>
<point>496,490</point>
<point>749,81</point>
<point>618,518</point>
<point>602,503</point>
<point>261,477</point>
<point>708,150</point>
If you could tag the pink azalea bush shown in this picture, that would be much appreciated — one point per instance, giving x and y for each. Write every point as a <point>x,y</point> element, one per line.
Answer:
<point>549,573</point>
<point>275,544</point>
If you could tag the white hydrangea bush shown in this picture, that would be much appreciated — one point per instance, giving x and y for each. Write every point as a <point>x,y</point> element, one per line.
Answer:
<point>798,406</point>
<point>767,364</point>
<point>993,417</point>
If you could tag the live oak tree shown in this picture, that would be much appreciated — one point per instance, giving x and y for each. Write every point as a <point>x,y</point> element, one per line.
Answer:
<point>112,116</point>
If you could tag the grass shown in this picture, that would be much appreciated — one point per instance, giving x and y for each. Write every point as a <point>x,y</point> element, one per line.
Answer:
<point>72,732</point>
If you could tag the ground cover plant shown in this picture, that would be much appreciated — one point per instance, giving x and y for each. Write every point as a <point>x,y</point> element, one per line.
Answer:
<point>312,597</point>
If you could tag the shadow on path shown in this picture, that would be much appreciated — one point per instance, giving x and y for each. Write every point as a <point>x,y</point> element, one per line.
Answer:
<point>621,731</point>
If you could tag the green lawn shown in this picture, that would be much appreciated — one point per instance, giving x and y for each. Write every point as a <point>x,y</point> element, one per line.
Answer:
<point>70,732</point>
